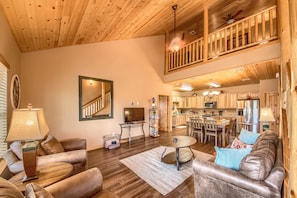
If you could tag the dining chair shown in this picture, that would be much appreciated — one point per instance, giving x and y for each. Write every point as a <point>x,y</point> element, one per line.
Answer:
<point>231,131</point>
<point>197,128</point>
<point>211,129</point>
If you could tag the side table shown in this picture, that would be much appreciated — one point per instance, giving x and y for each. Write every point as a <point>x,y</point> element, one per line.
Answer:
<point>48,174</point>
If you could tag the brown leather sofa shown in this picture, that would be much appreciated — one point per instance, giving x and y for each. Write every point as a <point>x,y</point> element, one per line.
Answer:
<point>261,173</point>
<point>85,184</point>
<point>50,150</point>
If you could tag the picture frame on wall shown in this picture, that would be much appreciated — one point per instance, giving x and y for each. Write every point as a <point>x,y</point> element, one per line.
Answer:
<point>15,91</point>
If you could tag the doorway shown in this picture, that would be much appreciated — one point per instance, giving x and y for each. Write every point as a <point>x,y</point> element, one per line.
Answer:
<point>164,107</point>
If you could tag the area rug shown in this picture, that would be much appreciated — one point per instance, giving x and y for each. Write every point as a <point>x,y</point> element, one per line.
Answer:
<point>161,176</point>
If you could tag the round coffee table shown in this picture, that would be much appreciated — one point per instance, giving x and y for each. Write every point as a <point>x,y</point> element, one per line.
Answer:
<point>48,174</point>
<point>180,155</point>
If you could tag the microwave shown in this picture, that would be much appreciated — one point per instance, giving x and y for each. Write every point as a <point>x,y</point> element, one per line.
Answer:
<point>210,105</point>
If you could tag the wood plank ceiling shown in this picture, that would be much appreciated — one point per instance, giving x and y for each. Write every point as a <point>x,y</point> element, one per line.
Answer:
<point>46,24</point>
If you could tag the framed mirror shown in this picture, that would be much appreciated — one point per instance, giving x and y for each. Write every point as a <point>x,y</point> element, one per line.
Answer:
<point>95,98</point>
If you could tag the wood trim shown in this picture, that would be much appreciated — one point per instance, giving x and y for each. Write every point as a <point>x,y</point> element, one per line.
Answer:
<point>4,62</point>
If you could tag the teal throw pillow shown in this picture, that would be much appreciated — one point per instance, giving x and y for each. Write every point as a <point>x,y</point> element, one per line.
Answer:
<point>248,137</point>
<point>229,157</point>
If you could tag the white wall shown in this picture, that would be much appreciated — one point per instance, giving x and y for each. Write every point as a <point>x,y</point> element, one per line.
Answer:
<point>50,81</point>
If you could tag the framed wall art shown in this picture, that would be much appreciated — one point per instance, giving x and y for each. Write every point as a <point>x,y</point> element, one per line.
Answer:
<point>15,91</point>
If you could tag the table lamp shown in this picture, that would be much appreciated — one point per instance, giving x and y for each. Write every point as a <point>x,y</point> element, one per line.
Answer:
<point>28,125</point>
<point>266,116</point>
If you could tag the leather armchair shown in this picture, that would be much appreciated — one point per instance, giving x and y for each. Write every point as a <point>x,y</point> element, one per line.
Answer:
<point>85,184</point>
<point>74,152</point>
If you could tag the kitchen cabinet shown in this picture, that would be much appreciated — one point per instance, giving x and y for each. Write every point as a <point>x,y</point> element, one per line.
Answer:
<point>221,102</point>
<point>180,120</point>
<point>194,102</point>
<point>200,102</point>
<point>176,99</point>
<point>186,101</point>
<point>212,99</point>
<point>248,95</point>
<point>231,102</point>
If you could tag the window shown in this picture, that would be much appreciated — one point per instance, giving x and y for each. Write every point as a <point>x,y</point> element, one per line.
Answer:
<point>3,108</point>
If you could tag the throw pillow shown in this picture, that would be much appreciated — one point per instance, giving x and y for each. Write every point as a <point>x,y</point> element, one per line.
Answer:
<point>10,157</point>
<point>237,144</point>
<point>16,147</point>
<point>248,137</point>
<point>229,157</point>
<point>35,191</point>
<point>51,145</point>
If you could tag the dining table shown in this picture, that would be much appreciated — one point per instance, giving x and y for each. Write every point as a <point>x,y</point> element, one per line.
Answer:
<point>221,123</point>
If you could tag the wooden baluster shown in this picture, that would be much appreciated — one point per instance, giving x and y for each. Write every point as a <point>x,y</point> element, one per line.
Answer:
<point>263,26</point>
<point>236,36</point>
<point>201,50</point>
<point>231,38</point>
<point>271,32</point>
<point>256,29</point>
<point>197,50</point>
<point>221,42</point>
<point>210,46</point>
<point>225,40</point>
<point>249,32</point>
<point>242,34</point>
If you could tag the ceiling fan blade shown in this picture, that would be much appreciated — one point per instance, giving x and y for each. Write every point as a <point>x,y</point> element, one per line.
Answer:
<point>237,13</point>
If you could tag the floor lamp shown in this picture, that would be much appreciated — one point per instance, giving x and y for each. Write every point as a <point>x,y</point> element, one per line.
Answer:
<point>266,116</point>
<point>28,125</point>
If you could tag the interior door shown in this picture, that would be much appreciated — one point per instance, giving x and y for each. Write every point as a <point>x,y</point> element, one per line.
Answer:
<point>163,105</point>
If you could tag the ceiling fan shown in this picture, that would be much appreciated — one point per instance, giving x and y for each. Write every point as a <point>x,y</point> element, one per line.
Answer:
<point>231,18</point>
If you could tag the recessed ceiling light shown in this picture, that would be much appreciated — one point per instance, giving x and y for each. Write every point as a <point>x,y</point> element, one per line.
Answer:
<point>239,69</point>
<point>245,79</point>
<point>214,84</point>
<point>186,87</point>
<point>192,32</point>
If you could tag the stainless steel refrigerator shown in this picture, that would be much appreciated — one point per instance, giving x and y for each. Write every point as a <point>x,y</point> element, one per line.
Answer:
<point>248,112</point>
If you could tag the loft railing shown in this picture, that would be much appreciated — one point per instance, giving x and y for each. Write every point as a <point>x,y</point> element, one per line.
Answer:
<point>96,105</point>
<point>251,31</point>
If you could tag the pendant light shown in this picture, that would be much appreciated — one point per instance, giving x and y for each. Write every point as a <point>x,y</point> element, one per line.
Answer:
<point>175,43</point>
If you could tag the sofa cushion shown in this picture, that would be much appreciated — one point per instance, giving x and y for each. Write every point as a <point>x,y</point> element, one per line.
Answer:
<point>10,157</point>
<point>16,147</point>
<point>229,157</point>
<point>9,190</point>
<point>33,190</point>
<point>258,164</point>
<point>51,145</point>
<point>248,137</point>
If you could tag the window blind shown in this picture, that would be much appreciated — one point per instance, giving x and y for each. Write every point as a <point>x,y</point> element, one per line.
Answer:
<point>3,108</point>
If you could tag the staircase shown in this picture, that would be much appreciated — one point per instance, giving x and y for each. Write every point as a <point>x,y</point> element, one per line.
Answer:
<point>96,105</point>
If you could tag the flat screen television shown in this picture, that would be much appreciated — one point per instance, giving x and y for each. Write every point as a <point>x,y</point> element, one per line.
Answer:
<point>133,114</point>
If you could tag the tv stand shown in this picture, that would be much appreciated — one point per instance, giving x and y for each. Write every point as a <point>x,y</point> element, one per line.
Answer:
<point>129,125</point>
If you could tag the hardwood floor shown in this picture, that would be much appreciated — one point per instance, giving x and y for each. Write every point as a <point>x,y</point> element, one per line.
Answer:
<point>121,181</point>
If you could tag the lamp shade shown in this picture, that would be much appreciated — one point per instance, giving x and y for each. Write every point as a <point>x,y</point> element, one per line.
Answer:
<point>266,115</point>
<point>27,124</point>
